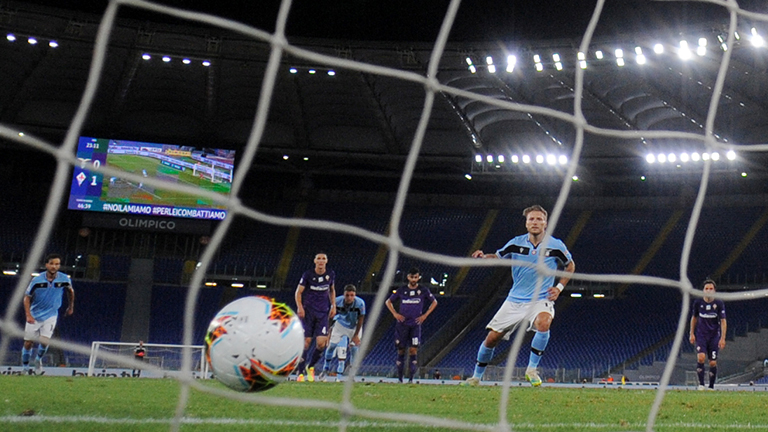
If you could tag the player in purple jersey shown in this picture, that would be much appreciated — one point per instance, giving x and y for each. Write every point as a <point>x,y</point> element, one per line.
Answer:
<point>708,326</point>
<point>410,315</point>
<point>42,301</point>
<point>315,305</point>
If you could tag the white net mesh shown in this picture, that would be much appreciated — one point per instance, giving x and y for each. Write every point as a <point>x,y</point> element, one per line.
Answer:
<point>280,47</point>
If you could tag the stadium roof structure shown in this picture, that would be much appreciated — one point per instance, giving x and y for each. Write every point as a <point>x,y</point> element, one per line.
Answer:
<point>174,81</point>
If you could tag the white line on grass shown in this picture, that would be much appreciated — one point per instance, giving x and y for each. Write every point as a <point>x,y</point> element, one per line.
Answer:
<point>335,424</point>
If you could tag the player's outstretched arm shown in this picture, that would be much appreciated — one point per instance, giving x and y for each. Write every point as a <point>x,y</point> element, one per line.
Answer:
<point>479,254</point>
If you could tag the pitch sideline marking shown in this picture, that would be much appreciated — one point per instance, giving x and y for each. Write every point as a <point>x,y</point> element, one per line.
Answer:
<point>334,424</point>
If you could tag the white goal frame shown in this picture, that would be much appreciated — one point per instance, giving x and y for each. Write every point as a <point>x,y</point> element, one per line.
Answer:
<point>97,344</point>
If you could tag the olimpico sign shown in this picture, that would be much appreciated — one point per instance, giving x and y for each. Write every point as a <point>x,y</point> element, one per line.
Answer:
<point>132,222</point>
<point>145,223</point>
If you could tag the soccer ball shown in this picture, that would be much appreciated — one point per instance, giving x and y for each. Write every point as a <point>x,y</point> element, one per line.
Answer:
<point>254,343</point>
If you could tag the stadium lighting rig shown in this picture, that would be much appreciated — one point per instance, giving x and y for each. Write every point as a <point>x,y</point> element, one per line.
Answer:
<point>685,49</point>
<point>487,163</point>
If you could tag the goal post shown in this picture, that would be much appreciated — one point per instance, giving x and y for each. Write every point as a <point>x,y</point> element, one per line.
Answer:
<point>166,357</point>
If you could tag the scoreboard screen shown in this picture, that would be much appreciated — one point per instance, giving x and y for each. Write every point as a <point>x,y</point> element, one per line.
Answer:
<point>208,169</point>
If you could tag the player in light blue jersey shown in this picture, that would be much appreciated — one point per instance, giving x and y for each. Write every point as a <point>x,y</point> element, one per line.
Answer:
<point>517,307</point>
<point>346,331</point>
<point>42,301</point>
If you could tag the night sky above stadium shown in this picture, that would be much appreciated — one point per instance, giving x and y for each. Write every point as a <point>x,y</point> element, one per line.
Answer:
<point>477,20</point>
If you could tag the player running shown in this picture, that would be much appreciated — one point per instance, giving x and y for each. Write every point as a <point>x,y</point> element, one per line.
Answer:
<point>42,301</point>
<point>517,307</point>
<point>346,331</point>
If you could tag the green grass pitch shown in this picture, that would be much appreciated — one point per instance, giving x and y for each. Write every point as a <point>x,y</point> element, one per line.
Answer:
<point>135,165</point>
<point>32,403</point>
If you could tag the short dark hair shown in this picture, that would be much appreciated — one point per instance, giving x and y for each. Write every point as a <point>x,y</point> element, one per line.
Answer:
<point>707,282</point>
<point>49,257</point>
<point>414,270</point>
<point>350,287</point>
<point>534,208</point>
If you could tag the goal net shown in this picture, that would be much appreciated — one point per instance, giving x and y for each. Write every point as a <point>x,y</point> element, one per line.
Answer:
<point>187,358</point>
<point>165,357</point>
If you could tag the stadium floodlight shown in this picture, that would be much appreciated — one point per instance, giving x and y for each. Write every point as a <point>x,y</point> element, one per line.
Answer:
<point>186,61</point>
<point>492,69</point>
<point>619,53</point>
<point>658,48</point>
<point>312,71</point>
<point>10,37</point>
<point>671,157</point>
<point>53,44</point>
<point>211,284</point>
<point>539,67</point>
<point>237,285</point>
<point>583,64</point>
<point>551,159</point>
<point>501,158</point>
<point>743,174</point>
<point>731,155</point>
<point>166,59</point>
<point>293,70</point>
<point>638,50</point>
<point>620,61</point>
<point>736,35</point>
<point>563,159</point>
<point>489,158</point>
<point>32,41</point>
<point>684,157</point>
<point>146,56</point>
<point>581,56</point>
<point>472,69</point>
<point>539,159</point>
<point>724,46</point>
<point>757,41</point>
<point>640,59</point>
<point>469,61</point>
<point>285,157</point>
<point>695,156</point>
<point>576,295</point>
<point>478,158</point>
<point>715,156</point>
<point>702,41</point>
<point>489,60</point>
<point>575,178</point>
<point>206,63</point>
<point>599,55</point>
<point>331,73</point>
<point>598,295</point>
<point>705,156</point>
<point>650,158</point>
<point>559,66</point>
<point>536,58</point>
<point>511,62</point>
<point>515,159</point>
<point>661,158</point>
<point>642,178</point>
<point>701,51</point>
<point>556,57</point>
<point>526,159</point>
<point>685,51</point>
<point>468,176</point>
